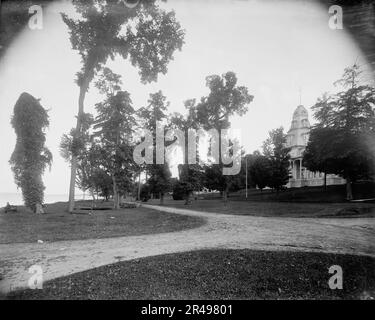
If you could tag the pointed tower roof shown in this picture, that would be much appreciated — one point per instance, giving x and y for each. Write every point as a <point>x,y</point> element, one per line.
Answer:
<point>300,112</point>
<point>299,129</point>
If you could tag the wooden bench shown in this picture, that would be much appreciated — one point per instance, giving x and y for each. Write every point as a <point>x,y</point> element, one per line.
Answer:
<point>10,208</point>
<point>129,205</point>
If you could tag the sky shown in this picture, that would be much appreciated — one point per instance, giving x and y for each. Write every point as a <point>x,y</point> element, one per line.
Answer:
<point>284,52</point>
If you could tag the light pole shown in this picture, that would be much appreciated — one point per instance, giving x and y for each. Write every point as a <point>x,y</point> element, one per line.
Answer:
<point>246,174</point>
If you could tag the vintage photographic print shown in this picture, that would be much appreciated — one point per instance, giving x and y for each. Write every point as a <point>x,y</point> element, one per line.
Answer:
<point>187,150</point>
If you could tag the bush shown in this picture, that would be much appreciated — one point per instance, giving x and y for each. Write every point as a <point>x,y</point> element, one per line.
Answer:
<point>145,193</point>
<point>178,191</point>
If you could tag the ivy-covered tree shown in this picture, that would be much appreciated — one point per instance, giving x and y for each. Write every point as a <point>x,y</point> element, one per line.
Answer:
<point>145,34</point>
<point>30,156</point>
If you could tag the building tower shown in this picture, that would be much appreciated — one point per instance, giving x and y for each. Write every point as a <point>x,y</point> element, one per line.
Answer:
<point>297,139</point>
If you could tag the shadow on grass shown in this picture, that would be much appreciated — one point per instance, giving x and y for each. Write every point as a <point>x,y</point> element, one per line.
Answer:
<point>217,274</point>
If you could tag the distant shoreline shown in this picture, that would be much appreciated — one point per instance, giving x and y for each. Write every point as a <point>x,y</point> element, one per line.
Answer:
<point>16,198</point>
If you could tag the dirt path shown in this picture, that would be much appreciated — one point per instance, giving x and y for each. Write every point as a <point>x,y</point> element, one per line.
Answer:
<point>349,236</point>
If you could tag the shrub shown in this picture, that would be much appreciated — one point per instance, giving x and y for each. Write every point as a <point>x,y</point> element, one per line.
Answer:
<point>178,191</point>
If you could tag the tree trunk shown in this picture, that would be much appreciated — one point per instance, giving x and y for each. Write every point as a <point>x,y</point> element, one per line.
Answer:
<point>92,195</point>
<point>139,187</point>
<point>187,198</point>
<point>116,199</point>
<point>349,193</point>
<point>39,209</point>
<point>73,168</point>
<point>93,199</point>
<point>325,181</point>
<point>161,198</point>
<point>225,195</point>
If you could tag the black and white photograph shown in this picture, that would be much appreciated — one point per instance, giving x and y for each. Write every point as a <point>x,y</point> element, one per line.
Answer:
<point>197,151</point>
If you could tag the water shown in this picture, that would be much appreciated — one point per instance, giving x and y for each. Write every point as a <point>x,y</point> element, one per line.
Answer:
<point>16,198</point>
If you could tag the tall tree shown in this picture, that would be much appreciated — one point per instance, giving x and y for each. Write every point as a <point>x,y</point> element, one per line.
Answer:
<point>80,145</point>
<point>259,170</point>
<point>159,175</point>
<point>30,156</point>
<point>340,141</point>
<point>145,34</point>
<point>93,177</point>
<point>91,174</point>
<point>190,175</point>
<point>278,156</point>
<point>115,123</point>
<point>225,99</point>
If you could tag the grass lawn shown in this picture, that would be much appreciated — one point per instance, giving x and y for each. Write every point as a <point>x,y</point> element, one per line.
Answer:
<point>217,274</point>
<point>333,193</point>
<point>274,209</point>
<point>57,224</point>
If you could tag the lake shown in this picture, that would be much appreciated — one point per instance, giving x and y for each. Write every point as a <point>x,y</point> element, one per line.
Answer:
<point>16,198</point>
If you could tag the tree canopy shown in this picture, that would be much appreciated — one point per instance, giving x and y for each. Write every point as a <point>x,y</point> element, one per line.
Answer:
<point>340,141</point>
<point>146,35</point>
<point>225,99</point>
<point>159,175</point>
<point>277,153</point>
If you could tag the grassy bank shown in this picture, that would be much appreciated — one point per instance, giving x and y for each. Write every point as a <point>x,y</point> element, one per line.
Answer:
<point>274,209</point>
<point>217,274</point>
<point>57,224</point>
<point>333,194</point>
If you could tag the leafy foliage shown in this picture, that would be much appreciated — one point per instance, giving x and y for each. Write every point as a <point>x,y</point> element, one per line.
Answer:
<point>259,170</point>
<point>278,158</point>
<point>146,35</point>
<point>341,142</point>
<point>179,191</point>
<point>30,156</point>
<point>159,175</point>
<point>225,99</point>
<point>91,175</point>
<point>76,143</point>
<point>114,125</point>
<point>190,175</point>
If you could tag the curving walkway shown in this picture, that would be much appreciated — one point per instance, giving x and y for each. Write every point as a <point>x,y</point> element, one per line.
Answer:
<point>343,235</point>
